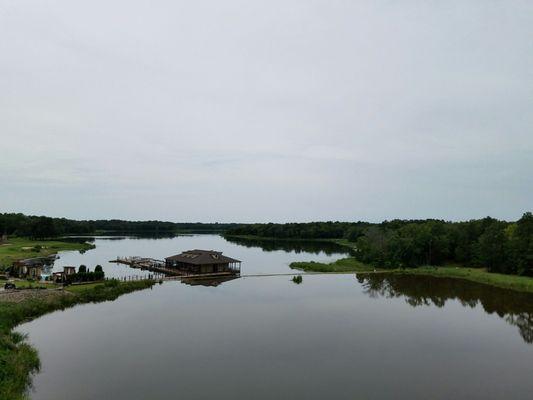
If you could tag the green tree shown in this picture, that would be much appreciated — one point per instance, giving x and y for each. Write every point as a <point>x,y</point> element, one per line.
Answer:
<point>43,228</point>
<point>522,245</point>
<point>491,248</point>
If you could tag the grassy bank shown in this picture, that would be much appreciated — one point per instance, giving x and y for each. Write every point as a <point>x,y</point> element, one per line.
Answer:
<point>479,275</point>
<point>19,248</point>
<point>18,360</point>
<point>24,284</point>
<point>342,265</point>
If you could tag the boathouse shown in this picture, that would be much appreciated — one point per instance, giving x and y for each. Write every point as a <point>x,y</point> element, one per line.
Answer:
<point>204,262</point>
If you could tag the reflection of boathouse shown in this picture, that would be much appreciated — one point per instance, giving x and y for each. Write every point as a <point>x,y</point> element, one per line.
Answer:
<point>207,280</point>
<point>204,262</point>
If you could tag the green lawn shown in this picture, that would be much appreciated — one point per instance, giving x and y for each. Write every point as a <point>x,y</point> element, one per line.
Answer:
<point>22,284</point>
<point>20,248</point>
<point>83,287</point>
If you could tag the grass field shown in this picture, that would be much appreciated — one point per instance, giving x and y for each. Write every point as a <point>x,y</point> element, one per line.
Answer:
<point>20,248</point>
<point>23,284</point>
<point>82,287</point>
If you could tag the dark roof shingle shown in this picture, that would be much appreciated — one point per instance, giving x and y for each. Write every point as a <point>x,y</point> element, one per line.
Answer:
<point>199,257</point>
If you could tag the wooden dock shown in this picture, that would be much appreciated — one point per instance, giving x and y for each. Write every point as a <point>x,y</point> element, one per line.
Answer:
<point>146,264</point>
<point>158,266</point>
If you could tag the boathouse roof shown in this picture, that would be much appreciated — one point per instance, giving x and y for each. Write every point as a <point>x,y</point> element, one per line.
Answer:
<point>30,262</point>
<point>199,257</point>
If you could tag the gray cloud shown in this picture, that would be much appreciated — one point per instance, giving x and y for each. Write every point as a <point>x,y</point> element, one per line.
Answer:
<point>259,111</point>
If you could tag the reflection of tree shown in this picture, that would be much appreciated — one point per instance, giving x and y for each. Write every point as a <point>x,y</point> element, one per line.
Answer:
<point>524,321</point>
<point>515,307</point>
<point>297,246</point>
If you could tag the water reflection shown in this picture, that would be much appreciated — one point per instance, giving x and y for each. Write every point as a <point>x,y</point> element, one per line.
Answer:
<point>297,246</point>
<point>212,282</point>
<point>122,236</point>
<point>514,307</point>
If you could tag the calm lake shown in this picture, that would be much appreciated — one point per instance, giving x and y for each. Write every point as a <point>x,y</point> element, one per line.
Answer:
<point>333,336</point>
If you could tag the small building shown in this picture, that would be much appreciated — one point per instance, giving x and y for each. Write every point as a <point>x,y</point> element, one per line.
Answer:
<point>61,276</point>
<point>3,238</point>
<point>58,277</point>
<point>203,262</point>
<point>31,268</point>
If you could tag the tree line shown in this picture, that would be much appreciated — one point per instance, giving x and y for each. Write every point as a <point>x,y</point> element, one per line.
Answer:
<point>84,275</point>
<point>42,227</point>
<point>499,246</point>
<point>307,230</point>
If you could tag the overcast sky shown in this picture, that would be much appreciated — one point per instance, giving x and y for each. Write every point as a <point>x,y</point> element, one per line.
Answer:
<point>266,110</point>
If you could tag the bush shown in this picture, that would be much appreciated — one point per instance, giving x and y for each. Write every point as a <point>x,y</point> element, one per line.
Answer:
<point>112,283</point>
<point>297,279</point>
<point>86,276</point>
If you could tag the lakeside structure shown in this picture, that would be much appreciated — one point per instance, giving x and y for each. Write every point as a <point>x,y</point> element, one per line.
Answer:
<point>61,276</point>
<point>31,268</point>
<point>191,264</point>
<point>203,262</point>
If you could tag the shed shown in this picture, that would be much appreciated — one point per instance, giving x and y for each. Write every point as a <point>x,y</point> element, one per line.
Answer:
<point>67,270</point>
<point>29,268</point>
<point>58,277</point>
<point>61,276</point>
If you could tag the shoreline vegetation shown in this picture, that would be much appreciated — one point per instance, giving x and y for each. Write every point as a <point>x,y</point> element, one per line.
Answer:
<point>340,242</point>
<point>487,250</point>
<point>477,275</point>
<point>352,264</point>
<point>18,359</point>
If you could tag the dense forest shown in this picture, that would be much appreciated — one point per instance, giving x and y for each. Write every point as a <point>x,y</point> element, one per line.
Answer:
<point>40,227</point>
<point>500,246</point>
<point>307,230</point>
